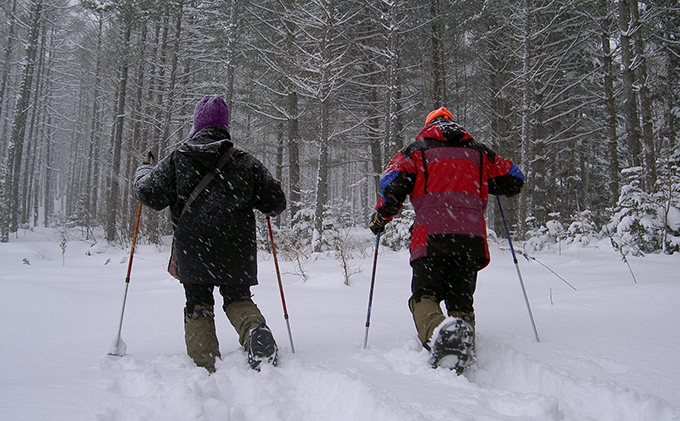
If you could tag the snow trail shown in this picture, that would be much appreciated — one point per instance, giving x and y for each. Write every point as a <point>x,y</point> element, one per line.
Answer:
<point>58,319</point>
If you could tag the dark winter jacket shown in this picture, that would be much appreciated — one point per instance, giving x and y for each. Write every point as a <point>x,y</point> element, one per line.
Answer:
<point>215,238</point>
<point>448,176</point>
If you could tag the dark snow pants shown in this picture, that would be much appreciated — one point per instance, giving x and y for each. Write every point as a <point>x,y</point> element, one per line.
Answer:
<point>200,294</point>
<point>437,279</point>
<point>238,306</point>
<point>449,279</point>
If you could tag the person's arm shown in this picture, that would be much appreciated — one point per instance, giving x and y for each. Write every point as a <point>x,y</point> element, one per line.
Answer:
<point>269,197</point>
<point>396,183</point>
<point>505,177</point>
<point>155,185</point>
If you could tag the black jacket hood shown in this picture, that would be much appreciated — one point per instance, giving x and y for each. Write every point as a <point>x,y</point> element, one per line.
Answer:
<point>207,146</point>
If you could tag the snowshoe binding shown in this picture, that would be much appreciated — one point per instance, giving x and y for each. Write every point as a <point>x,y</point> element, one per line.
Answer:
<point>453,347</point>
<point>261,347</point>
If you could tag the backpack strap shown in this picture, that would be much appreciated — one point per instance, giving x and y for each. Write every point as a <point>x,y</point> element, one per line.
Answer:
<point>207,178</point>
<point>422,152</point>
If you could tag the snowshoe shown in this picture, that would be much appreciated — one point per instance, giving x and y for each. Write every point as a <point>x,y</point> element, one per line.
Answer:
<point>453,347</point>
<point>261,347</point>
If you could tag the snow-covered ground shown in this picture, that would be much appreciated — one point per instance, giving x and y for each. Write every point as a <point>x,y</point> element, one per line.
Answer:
<point>608,351</point>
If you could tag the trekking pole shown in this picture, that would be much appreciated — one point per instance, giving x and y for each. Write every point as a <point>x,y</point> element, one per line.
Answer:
<point>519,274</point>
<point>529,258</point>
<point>278,275</point>
<point>119,347</point>
<point>370,293</point>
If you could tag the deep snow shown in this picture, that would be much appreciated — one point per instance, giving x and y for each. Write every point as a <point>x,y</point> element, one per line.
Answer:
<point>608,351</point>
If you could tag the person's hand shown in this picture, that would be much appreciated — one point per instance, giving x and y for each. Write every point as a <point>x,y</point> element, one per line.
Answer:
<point>150,159</point>
<point>377,223</point>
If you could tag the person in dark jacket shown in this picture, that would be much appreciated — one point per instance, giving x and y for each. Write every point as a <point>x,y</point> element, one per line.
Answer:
<point>448,177</point>
<point>215,236</point>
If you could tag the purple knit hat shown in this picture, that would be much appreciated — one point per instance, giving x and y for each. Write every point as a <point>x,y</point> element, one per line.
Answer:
<point>210,111</point>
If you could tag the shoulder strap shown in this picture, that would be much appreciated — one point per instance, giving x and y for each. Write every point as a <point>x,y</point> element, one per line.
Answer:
<point>207,178</point>
<point>422,151</point>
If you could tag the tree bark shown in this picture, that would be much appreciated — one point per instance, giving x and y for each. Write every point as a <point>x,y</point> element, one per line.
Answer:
<point>293,155</point>
<point>114,192</point>
<point>630,107</point>
<point>437,52</point>
<point>609,106</point>
<point>231,52</point>
<point>645,101</point>
<point>376,144</point>
<point>7,66</point>
<point>322,178</point>
<point>16,142</point>
<point>527,132</point>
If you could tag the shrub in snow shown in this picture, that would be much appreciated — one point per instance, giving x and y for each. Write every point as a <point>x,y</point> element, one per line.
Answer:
<point>582,230</point>
<point>292,243</point>
<point>345,249</point>
<point>342,239</point>
<point>636,225</point>
<point>339,212</point>
<point>336,227</point>
<point>545,236</point>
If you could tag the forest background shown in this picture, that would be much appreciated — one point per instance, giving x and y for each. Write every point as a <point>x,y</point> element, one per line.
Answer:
<point>584,95</point>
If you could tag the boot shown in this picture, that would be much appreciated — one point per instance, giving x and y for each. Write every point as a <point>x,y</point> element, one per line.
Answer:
<point>200,336</point>
<point>470,319</point>
<point>427,315</point>
<point>261,347</point>
<point>244,316</point>
<point>453,343</point>
<point>254,335</point>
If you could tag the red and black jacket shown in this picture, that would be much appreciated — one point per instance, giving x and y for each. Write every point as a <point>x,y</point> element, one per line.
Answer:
<point>448,177</point>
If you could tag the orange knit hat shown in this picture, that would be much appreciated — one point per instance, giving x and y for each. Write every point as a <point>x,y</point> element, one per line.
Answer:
<point>440,112</point>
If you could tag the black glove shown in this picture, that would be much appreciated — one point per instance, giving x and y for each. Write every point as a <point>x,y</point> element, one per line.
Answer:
<point>377,223</point>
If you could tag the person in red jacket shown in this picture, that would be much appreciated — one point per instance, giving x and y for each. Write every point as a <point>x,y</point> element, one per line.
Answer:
<point>448,177</point>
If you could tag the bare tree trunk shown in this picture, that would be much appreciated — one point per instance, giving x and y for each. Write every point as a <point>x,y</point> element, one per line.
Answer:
<point>395,123</point>
<point>610,107</point>
<point>138,141</point>
<point>279,160</point>
<point>16,141</point>
<point>162,84</point>
<point>632,121</point>
<point>149,130</point>
<point>292,115</point>
<point>231,52</point>
<point>172,95</point>
<point>376,144</point>
<point>322,178</point>
<point>293,154</point>
<point>47,193</point>
<point>95,141</point>
<point>7,66</point>
<point>31,139</point>
<point>527,132</point>
<point>672,78</point>
<point>35,185</point>
<point>645,101</point>
<point>438,66</point>
<point>114,196</point>
<point>163,222</point>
